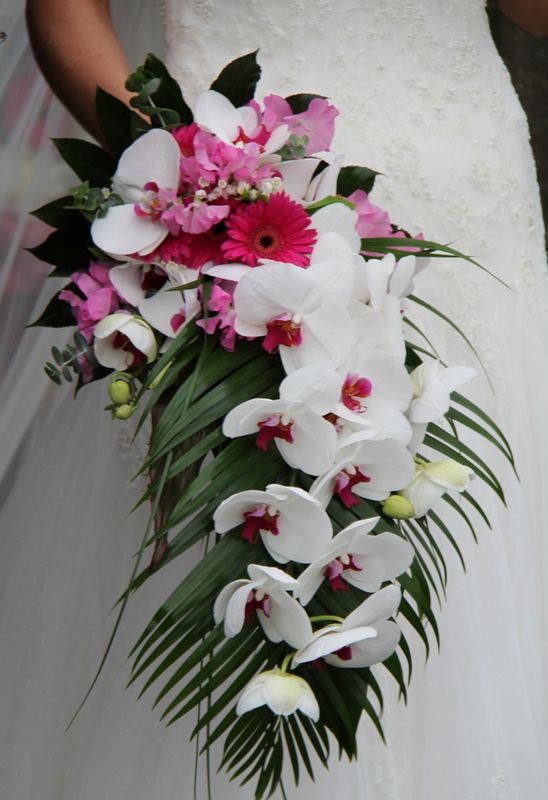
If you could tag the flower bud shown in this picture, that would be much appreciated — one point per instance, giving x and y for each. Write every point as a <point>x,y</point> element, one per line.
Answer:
<point>124,411</point>
<point>159,377</point>
<point>120,389</point>
<point>398,507</point>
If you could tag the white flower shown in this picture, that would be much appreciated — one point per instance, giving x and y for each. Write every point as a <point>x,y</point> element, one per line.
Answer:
<point>119,336</point>
<point>432,480</point>
<point>364,638</point>
<point>215,113</point>
<point>167,311</point>
<point>357,558</point>
<point>368,469</point>
<point>432,387</point>
<point>153,159</point>
<point>292,524</point>
<point>304,438</point>
<point>301,186</point>
<point>280,615</point>
<point>303,311</point>
<point>282,692</point>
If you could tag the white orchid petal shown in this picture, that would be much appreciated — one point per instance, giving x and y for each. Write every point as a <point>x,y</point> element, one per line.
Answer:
<point>296,175</point>
<point>235,608</point>
<point>153,157</point>
<point>121,232</point>
<point>215,113</point>
<point>330,639</point>
<point>371,651</point>
<point>318,388</point>
<point>337,218</point>
<point>221,602</point>
<point>126,279</point>
<point>314,444</point>
<point>289,619</point>
<point>230,513</point>
<point>379,606</point>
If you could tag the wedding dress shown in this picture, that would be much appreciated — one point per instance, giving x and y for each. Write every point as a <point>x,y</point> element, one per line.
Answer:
<point>424,99</point>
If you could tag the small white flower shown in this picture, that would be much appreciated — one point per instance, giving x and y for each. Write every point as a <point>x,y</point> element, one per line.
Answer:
<point>292,524</point>
<point>432,480</point>
<point>152,159</point>
<point>280,615</point>
<point>354,557</point>
<point>282,692</point>
<point>118,336</point>
<point>364,638</point>
<point>432,387</point>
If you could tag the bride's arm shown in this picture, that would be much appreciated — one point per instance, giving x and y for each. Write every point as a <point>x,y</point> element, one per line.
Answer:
<point>529,14</point>
<point>77,49</point>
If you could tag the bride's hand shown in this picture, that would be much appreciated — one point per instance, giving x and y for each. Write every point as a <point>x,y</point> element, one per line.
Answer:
<point>532,15</point>
<point>77,49</point>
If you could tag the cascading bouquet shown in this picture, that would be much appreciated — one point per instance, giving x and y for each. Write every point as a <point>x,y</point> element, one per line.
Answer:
<point>249,296</point>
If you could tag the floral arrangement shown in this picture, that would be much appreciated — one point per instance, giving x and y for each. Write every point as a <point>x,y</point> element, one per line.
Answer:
<point>251,298</point>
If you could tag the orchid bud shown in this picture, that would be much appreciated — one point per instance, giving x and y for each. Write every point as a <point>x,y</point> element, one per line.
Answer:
<point>120,388</point>
<point>398,507</point>
<point>282,692</point>
<point>124,411</point>
<point>160,376</point>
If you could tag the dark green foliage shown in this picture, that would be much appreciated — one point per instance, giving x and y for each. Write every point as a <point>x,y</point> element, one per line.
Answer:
<point>238,80</point>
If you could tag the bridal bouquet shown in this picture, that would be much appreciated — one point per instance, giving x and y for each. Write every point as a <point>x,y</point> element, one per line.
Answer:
<point>249,296</point>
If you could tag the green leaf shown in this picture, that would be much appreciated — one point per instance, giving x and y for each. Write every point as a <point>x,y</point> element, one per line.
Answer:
<point>300,102</point>
<point>166,93</point>
<point>351,178</point>
<point>238,80</point>
<point>57,314</point>
<point>66,250</point>
<point>58,215</point>
<point>89,161</point>
<point>118,124</point>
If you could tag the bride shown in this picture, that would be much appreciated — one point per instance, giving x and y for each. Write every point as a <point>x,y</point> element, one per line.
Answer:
<point>425,100</point>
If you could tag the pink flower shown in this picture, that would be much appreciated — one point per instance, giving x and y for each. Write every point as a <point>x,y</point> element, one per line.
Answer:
<point>193,217</point>
<point>372,221</point>
<point>220,301</point>
<point>278,230</point>
<point>185,138</point>
<point>317,123</point>
<point>99,298</point>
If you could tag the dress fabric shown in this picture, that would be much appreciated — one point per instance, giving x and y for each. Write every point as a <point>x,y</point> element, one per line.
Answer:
<point>425,100</point>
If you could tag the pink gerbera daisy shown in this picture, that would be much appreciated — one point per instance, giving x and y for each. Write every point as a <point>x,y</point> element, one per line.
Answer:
<point>277,229</point>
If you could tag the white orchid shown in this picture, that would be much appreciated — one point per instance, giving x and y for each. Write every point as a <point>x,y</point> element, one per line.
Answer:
<point>303,311</point>
<point>282,692</point>
<point>375,395</point>
<point>354,557</point>
<point>432,480</point>
<point>388,277</point>
<point>266,594</point>
<point>166,310</point>
<point>365,468</point>
<point>432,387</point>
<point>292,524</point>
<point>364,638</point>
<point>150,164</point>
<point>216,114</point>
<point>122,340</point>
<point>301,186</point>
<point>295,422</point>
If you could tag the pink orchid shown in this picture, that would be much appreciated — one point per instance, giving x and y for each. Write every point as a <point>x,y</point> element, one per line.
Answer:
<point>220,301</point>
<point>100,298</point>
<point>316,124</point>
<point>372,220</point>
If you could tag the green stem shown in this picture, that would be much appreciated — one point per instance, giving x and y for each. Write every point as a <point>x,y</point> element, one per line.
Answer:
<point>326,618</point>
<point>286,661</point>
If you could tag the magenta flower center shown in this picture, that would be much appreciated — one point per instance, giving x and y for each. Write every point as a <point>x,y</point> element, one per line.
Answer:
<point>275,427</point>
<point>345,482</point>
<point>344,653</point>
<point>260,519</point>
<point>284,330</point>
<point>354,391</point>
<point>334,571</point>
<point>256,602</point>
<point>121,342</point>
